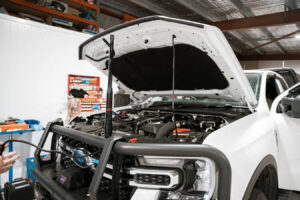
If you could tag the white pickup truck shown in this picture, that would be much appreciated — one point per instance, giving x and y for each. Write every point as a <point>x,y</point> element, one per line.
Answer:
<point>200,128</point>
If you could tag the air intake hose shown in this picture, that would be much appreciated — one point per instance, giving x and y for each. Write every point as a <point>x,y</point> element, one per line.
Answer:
<point>165,130</point>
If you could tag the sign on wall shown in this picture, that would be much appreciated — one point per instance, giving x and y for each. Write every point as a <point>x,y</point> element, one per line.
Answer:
<point>84,95</point>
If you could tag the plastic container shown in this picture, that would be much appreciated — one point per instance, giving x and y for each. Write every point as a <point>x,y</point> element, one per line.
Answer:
<point>30,166</point>
<point>31,122</point>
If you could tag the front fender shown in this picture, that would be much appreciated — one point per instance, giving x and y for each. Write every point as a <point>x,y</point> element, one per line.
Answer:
<point>270,162</point>
<point>245,142</point>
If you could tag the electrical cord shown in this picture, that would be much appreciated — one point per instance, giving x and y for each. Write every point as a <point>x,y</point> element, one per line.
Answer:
<point>45,150</point>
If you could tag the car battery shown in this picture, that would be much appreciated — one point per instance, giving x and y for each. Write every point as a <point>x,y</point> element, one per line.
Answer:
<point>19,189</point>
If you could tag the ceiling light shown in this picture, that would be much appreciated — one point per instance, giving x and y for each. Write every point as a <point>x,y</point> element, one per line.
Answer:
<point>297,36</point>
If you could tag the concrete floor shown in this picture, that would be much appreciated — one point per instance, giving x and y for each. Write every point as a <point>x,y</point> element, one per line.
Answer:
<point>294,196</point>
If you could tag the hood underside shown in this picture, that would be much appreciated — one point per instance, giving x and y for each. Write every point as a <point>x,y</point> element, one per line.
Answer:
<point>205,65</point>
<point>145,70</point>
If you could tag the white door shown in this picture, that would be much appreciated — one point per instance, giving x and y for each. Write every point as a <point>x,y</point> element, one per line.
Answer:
<point>288,139</point>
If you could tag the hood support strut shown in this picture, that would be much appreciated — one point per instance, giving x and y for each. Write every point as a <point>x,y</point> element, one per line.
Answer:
<point>109,94</point>
<point>249,105</point>
<point>173,83</point>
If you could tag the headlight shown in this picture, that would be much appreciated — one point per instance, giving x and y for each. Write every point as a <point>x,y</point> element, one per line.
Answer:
<point>199,177</point>
<point>154,178</point>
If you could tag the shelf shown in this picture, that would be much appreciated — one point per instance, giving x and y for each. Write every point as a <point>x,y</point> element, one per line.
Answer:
<point>78,4</point>
<point>44,12</point>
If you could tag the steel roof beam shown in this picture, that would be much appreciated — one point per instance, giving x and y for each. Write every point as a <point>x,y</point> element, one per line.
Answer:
<point>270,42</point>
<point>275,19</point>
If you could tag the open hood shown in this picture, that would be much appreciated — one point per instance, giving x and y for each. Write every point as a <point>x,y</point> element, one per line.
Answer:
<point>205,64</point>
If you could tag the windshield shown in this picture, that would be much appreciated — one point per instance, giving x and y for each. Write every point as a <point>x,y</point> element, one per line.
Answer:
<point>254,80</point>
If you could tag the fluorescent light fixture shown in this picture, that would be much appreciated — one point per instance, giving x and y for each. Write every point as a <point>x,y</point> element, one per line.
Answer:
<point>297,36</point>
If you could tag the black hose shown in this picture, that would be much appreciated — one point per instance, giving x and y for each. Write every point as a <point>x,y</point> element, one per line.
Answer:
<point>45,150</point>
<point>139,124</point>
<point>165,130</point>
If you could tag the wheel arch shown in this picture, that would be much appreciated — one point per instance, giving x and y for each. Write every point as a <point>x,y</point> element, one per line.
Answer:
<point>268,163</point>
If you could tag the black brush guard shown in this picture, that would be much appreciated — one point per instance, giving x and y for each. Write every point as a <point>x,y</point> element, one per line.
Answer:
<point>115,144</point>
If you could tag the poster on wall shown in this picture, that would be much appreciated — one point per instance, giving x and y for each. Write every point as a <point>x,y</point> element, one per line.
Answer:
<point>84,95</point>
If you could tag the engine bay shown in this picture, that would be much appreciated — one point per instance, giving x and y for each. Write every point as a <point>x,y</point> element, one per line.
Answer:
<point>124,174</point>
<point>150,126</point>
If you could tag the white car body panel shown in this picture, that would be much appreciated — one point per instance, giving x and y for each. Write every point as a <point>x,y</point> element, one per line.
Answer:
<point>288,129</point>
<point>245,148</point>
<point>159,34</point>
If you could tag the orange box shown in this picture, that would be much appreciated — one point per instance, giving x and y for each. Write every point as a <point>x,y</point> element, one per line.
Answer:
<point>7,127</point>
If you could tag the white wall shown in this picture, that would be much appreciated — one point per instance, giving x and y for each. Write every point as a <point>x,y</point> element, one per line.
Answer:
<point>295,64</point>
<point>35,60</point>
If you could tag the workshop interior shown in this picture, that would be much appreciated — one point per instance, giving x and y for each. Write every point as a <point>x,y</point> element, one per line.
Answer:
<point>150,99</point>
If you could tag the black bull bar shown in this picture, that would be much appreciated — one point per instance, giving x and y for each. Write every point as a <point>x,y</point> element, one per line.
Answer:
<point>116,145</point>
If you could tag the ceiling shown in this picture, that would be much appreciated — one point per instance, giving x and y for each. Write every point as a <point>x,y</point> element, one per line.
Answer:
<point>254,40</point>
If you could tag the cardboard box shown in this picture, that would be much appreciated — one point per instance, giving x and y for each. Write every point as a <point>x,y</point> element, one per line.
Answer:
<point>73,11</point>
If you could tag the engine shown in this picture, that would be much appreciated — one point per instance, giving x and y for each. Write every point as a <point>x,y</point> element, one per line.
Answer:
<point>154,126</point>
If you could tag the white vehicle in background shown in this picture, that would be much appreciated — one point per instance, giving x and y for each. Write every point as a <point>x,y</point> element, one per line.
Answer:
<point>220,138</point>
<point>290,75</point>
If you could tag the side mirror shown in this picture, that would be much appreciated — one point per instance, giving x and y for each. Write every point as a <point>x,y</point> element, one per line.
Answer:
<point>291,106</point>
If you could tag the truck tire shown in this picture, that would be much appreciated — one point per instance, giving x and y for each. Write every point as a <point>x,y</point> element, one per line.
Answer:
<point>257,195</point>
